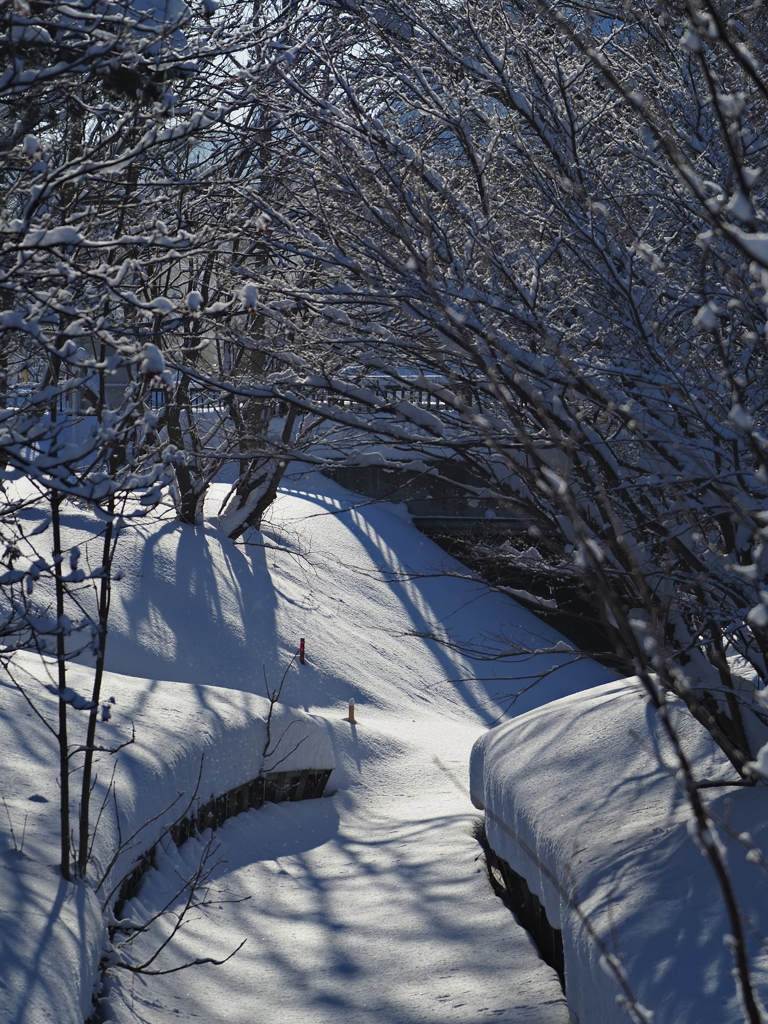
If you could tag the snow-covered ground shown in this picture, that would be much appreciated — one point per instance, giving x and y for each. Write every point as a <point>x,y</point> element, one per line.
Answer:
<point>192,742</point>
<point>370,904</point>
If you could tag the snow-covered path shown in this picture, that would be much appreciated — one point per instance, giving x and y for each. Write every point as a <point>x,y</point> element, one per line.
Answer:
<point>370,905</point>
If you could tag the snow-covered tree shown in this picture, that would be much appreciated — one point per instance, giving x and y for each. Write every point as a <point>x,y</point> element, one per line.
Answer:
<point>550,219</point>
<point>129,211</point>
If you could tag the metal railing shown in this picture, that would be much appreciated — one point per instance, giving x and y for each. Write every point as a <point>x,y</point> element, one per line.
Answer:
<point>202,399</point>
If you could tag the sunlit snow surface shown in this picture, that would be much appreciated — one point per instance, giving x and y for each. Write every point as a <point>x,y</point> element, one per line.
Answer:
<point>370,904</point>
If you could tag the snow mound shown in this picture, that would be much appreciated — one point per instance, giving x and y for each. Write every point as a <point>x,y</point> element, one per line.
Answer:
<point>191,742</point>
<point>388,617</point>
<point>581,800</point>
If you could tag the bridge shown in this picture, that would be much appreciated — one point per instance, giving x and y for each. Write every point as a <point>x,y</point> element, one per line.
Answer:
<point>441,505</point>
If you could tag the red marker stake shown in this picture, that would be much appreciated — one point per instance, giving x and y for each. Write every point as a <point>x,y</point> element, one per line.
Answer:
<point>301,650</point>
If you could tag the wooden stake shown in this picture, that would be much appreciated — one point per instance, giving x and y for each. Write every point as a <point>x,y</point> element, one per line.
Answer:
<point>352,711</point>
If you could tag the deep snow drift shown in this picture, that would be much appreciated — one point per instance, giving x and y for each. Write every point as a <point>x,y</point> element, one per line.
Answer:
<point>195,612</point>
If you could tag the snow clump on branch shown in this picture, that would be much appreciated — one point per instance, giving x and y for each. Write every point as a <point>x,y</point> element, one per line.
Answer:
<point>152,366</point>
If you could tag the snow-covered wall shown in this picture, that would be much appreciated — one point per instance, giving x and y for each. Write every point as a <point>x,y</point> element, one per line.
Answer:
<point>581,799</point>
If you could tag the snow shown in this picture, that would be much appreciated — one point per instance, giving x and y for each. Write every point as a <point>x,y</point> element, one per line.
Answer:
<point>183,734</point>
<point>161,305</point>
<point>249,296</point>
<point>706,318</point>
<point>740,207</point>
<point>153,361</point>
<point>415,414</point>
<point>55,236</point>
<point>30,146</point>
<point>754,243</point>
<point>367,907</point>
<point>582,800</point>
<point>327,584</point>
<point>163,12</point>
<point>371,904</point>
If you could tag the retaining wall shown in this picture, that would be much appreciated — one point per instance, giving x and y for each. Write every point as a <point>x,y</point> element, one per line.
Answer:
<point>274,787</point>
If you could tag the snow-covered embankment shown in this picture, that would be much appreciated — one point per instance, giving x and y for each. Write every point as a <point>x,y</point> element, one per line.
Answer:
<point>581,799</point>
